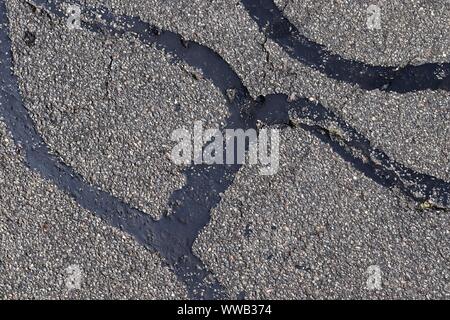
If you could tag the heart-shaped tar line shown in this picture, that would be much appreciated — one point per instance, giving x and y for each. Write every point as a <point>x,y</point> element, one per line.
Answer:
<point>123,97</point>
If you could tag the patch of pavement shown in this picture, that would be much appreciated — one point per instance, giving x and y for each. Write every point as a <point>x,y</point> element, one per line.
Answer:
<point>221,25</point>
<point>172,236</point>
<point>314,229</point>
<point>408,78</point>
<point>410,128</point>
<point>108,106</point>
<point>412,32</point>
<point>45,237</point>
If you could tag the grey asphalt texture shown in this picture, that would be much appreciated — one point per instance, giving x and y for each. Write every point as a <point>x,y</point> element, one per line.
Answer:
<point>107,107</point>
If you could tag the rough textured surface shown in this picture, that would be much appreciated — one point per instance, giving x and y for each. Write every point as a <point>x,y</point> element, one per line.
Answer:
<point>43,232</point>
<point>312,231</point>
<point>411,32</point>
<point>411,128</point>
<point>107,107</point>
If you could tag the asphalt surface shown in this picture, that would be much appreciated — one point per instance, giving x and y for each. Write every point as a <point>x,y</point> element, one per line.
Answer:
<point>106,106</point>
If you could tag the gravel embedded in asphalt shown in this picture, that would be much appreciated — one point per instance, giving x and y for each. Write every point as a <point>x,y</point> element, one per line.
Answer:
<point>107,107</point>
<point>313,230</point>
<point>43,232</point>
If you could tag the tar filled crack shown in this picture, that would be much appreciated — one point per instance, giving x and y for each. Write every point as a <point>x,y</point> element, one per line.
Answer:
<point>197,311</point>
<point>173,236</point>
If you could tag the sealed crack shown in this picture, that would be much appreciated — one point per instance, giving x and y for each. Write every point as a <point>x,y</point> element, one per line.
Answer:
<point>171,236</point>
<point>354,148</point>
<point>277,27</point>
<point>174,235</point>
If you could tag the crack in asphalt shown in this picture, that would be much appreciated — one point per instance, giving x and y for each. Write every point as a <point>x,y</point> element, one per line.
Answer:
<point>276,26</point>
<point>109,77</point>
<point>354,148</point>
<point>173,236</point>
